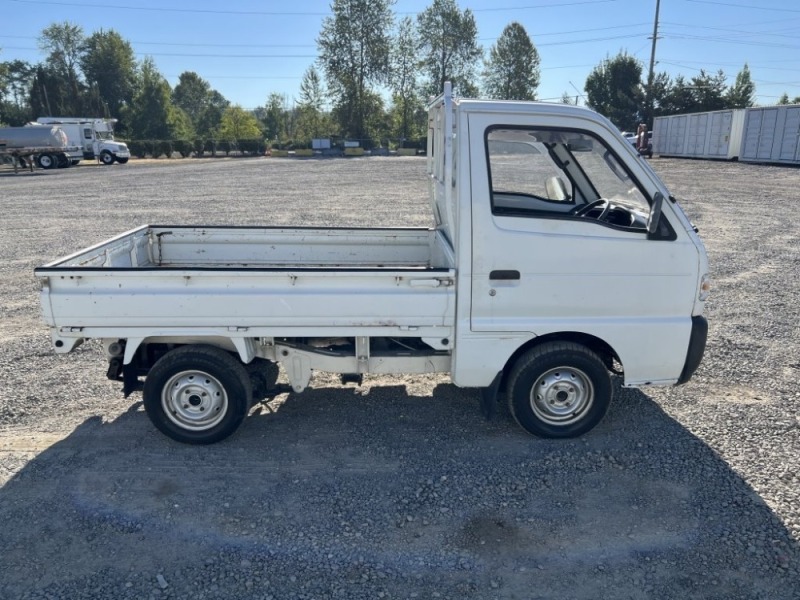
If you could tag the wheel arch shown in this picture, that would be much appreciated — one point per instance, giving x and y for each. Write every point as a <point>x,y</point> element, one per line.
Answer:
<point>244,348</point>
<point>597,345</point>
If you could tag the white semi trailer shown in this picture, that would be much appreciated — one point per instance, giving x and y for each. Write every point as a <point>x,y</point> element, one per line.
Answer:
<point>557,258</point>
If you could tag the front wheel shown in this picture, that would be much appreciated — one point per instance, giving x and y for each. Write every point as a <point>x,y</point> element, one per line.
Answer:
<point>197,394</point>
<point>559,390</point>
<point>106,157</point>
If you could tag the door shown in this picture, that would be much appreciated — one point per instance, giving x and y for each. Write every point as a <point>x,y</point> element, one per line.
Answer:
<point>766,139</point>
<point>560,245</point>
<point>790,135</point>
<point>677,135</point>
<point>720,134</point>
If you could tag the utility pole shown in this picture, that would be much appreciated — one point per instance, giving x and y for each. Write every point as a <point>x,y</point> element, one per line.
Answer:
<point>650,73</point>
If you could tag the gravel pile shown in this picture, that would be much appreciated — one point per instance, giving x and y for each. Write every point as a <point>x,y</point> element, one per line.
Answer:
<point>398,488</point>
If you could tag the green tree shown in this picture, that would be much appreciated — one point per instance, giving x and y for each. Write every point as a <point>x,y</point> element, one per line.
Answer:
<point>614,89</point>
<point>785,99</point>
<point>708,91</point>
<point>16,79</point>
<point>152,116</point>
<point>512,71</point>
<point>403,81</point>
<point>312,92</point>
<point>64,44</point>
<point>567,98</point>
<point>275,117</point>
<point>211,117</point>
<point>677,97</point>
<point>743,92</point>
<point>109,67</point>
<point>51,94</point>
<point>353,51</point>
<point>311,121</point>
<point>192,94</point>
<point>238,124</point>
<point>448,45</point>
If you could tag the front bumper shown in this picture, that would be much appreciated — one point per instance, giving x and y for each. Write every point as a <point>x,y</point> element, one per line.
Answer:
<point>697,347</point>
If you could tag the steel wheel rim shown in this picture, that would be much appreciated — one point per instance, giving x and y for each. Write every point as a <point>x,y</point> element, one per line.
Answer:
<point>194,400</point>
<point>562,396</point>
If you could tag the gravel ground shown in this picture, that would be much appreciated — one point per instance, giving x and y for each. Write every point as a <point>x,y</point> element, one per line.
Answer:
<point>398,488</point>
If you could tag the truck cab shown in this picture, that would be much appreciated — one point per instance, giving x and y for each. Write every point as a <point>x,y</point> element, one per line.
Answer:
<point>561,230</point>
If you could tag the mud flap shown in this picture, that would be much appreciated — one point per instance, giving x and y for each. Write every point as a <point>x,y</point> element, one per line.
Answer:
<point>130,380</point>
<point>489,397</point>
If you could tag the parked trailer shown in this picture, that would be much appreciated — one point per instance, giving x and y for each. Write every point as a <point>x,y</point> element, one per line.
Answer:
<point>772,135</point>
<point>46,146</point>
<point>714,134</point>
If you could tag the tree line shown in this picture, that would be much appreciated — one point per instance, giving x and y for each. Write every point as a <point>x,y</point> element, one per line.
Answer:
<point>371,79</point>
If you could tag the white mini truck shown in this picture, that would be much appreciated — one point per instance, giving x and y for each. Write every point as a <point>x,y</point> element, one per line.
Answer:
<point>557,258</point>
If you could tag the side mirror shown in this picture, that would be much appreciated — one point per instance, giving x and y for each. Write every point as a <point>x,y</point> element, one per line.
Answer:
<point>655,213</point>
<point>555,189</point>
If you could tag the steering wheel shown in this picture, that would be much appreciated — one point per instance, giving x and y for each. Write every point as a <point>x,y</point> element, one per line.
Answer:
<point>586,208</point>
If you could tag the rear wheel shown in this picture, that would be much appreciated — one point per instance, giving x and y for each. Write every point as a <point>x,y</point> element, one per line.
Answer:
<point>559,390</point>
<point>47,161</point>
<point>197,394</point>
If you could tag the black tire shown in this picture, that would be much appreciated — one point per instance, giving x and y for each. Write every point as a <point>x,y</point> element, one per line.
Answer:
<point>64,161</point>
<point>214,390</point>
<point>106,157</point>
<point>122,161</point>
<point>559,390</point>
<point>263,377</point>
<point>75,162</point>
<point>47,161</point>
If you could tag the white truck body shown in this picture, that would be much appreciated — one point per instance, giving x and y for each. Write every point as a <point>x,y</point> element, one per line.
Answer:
<point>553,244</point>
<point>94,136</point>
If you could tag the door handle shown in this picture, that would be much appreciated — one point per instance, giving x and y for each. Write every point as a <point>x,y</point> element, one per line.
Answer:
<point>502,275</point>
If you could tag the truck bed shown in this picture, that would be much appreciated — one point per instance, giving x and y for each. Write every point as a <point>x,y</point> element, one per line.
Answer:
<point>179,276</point>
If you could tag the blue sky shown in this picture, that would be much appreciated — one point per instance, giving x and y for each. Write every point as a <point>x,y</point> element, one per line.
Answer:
<point>250,48</point>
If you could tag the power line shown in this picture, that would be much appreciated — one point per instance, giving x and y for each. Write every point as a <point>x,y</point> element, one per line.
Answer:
<point>274,13</point>
<point>211,45</point>
<point>750,6</point>
<point>748,32</point>
<point>730,41</point>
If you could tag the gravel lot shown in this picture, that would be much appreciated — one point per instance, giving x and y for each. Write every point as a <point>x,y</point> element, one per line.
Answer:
<point>398,488</point>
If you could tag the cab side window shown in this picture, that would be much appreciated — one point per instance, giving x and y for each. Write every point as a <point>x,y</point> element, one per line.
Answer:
<point>524,175</point>
<point>87,133</point>
<point>565,174</point>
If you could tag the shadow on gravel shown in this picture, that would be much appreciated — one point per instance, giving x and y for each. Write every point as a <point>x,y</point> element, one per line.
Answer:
<point>344,493</point>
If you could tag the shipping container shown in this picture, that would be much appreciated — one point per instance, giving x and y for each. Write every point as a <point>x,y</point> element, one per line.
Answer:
<point>714,134</point>
<point>772,135</point>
